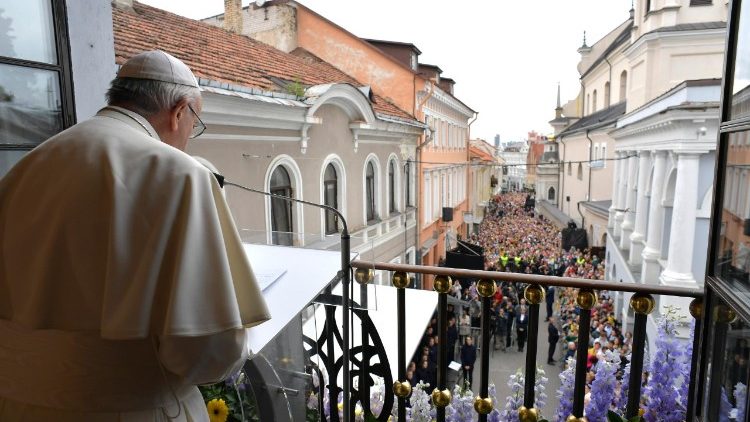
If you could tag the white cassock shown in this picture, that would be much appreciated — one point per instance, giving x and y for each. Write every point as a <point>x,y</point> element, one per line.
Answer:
<point>123,281</point>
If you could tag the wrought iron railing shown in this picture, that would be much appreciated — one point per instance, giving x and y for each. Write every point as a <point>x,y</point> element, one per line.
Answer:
<point>642,303</point>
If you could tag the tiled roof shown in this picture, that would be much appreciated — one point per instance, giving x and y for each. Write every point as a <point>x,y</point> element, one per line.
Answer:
<point>216,54</point>
<point>598,119</point>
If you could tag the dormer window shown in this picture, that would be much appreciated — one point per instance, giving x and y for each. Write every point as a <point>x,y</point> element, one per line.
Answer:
<point>414,61</point>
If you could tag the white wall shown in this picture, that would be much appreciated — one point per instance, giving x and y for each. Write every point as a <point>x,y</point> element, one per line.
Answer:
<point>92,54</point>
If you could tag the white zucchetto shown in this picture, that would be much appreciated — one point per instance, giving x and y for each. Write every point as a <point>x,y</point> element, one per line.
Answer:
<point>158,66</point>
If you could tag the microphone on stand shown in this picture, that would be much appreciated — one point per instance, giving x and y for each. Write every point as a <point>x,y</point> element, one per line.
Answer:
<point>344,274</point>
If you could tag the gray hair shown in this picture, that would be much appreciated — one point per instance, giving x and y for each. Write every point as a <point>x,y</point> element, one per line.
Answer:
<point>148,97</point>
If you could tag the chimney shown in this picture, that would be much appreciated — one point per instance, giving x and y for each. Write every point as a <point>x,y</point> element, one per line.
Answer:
<point>123,4</point>
<point>233,16</point>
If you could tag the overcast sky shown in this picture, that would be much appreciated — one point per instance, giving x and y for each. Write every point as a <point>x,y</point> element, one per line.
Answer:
<point>505,56</point>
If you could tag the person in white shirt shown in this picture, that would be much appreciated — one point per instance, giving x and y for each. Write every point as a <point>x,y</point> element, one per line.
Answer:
<point>123,281</point>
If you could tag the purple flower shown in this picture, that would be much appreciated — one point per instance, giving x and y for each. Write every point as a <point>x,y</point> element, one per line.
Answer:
<point>565,393</point>
<point>740,397</point>
<point>662,397</point>
<point>603,388</point>
<point>515,399</point>
<point>621,402</point>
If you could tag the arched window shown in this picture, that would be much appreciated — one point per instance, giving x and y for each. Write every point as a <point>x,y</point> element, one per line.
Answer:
<point>593,100</point>
<point>331,198</point>
<point>588,104</point>
<point>281,210</point>
<point>580,171</point>
<point>370,190</point>
<point>551,194</point>
<point>407,185</point>
<point>623,84</point>
<point>391,187</point>
<point>606,94</point>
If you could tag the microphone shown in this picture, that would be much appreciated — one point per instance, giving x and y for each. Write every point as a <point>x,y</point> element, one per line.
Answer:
<point>344,274</point>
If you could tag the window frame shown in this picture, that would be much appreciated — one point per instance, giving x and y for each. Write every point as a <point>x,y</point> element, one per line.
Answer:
<point>331,219</point>
<point>287,191</point>
<point>63,69</point>
<point>371,212</point>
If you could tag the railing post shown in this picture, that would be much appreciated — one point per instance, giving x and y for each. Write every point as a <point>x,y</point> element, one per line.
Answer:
<point>723,315</point>
<point>401,386</point>
<point>441,396</point>
<point>696,310</point>
<point>642,304</point>
<point>483,404</point>
<point>586,300</point>
<point>534,295</point>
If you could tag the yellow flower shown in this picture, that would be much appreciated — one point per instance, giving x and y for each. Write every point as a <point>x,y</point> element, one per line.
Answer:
<point>641,412</point>
<point>217,410</point>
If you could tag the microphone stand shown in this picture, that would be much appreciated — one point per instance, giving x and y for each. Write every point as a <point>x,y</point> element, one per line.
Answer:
<point>343,274</point>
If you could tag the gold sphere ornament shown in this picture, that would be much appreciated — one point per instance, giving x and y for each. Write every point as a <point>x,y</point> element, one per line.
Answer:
<point>483,406</point>
<point>364,275</point>
<point>572,418</point>
<point>725,314</point>
<point>400,279</point>
<point>642,303</point>
<point>442,284</point>
<point>402,389</point>
<point>486,288</point>
<point>534,294</point>
<point>586,299</point>
<point>528,415</point>
<point>441,398</point>
<point>696,308</point>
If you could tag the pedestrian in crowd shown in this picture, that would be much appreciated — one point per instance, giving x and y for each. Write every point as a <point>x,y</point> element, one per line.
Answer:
<point>501,329</point>
<point>468,357</point>
<point>464,326</point>
<point>550,298</point>
<point>553,336</point>
<point>522,325</point>
<point>452,337</point>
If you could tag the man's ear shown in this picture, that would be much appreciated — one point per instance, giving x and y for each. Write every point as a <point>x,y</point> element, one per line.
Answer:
<point>178,112</point>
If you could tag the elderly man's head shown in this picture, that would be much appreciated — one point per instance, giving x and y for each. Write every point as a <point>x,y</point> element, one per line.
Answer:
<point>164,91</point>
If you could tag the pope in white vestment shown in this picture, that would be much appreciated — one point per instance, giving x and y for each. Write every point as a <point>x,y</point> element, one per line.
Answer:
<point>123,281</point>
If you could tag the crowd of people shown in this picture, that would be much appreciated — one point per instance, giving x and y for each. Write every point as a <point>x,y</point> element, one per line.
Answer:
<point>515,239</point>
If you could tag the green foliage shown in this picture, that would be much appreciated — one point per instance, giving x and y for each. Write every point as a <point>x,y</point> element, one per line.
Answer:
<point>237,403</point>
<point>296,88</point>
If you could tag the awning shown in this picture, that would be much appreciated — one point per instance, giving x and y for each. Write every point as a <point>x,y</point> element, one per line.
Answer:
<point>426,246</point>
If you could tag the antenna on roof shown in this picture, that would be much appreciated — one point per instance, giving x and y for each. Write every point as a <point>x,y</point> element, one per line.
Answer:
<point>584,40</point>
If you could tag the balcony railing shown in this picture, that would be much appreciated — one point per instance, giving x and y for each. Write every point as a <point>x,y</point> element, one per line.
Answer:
<point>642,303</point>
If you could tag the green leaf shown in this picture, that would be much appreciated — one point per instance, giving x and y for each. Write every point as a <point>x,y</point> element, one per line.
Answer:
<point>614,417</point>
<point>635,419</point>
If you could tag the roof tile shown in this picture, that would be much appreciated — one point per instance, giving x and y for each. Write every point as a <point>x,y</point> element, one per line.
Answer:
<point>216,54</point>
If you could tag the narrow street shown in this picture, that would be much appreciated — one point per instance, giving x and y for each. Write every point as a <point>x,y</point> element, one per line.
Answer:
<point>504,364</point>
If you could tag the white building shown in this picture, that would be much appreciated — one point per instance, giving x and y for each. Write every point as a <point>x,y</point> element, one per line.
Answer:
<point>664,148</point>
<point>514,154</point>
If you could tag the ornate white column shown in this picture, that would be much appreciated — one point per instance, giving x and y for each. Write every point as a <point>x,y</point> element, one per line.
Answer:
<point>621,190</point>
<point>652,251</point>
<point>682,232</point>
<point>637,238</point>
<point>629,219</point>
<point>615,187</point>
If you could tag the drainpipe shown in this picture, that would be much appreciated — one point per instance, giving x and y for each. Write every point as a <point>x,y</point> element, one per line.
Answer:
<point>469,206</point>
<point>588,197</point>
<point>418,176</point>
<point>562,186</point>
<point>610,82</point>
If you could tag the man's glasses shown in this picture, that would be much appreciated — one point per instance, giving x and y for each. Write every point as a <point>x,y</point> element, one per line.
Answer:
<point>198,127</point>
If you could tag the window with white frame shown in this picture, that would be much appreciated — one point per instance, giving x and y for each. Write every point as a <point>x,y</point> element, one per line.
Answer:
<point>436,195</point>
<point>391,186</point>
<point>370,191</point>
<point>427,212</point>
